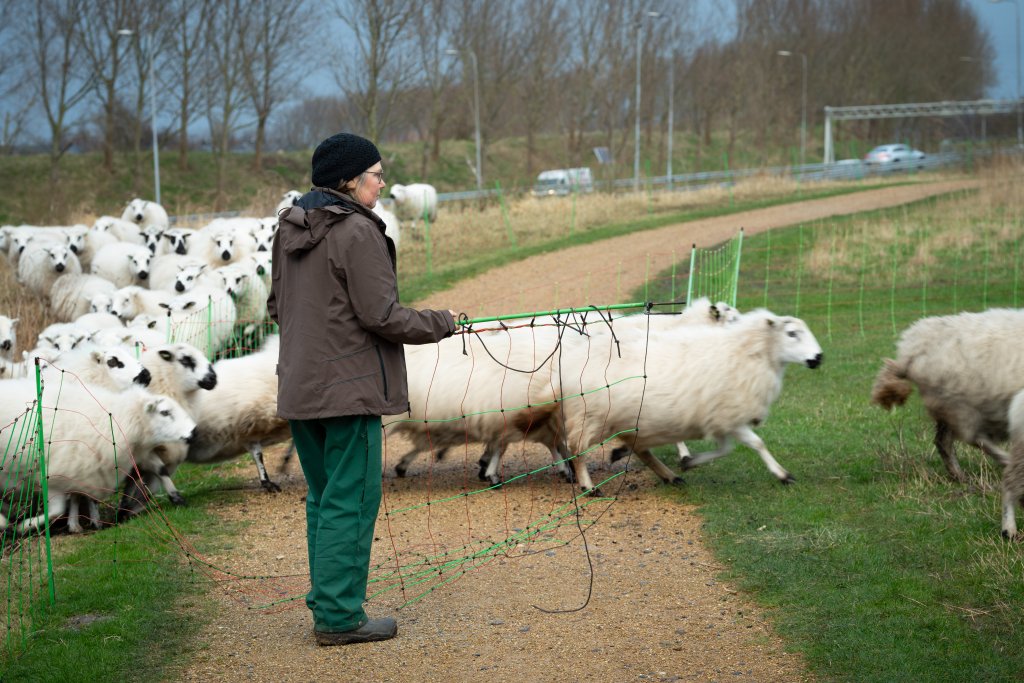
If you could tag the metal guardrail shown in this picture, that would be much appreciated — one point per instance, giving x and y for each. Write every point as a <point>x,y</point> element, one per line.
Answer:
<point>846,169</point>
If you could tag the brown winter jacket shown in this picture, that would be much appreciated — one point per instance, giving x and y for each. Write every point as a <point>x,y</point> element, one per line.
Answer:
<point>334,294</point>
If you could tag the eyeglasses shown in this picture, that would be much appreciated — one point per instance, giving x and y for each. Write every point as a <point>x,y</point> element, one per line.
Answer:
<point>379,174</point>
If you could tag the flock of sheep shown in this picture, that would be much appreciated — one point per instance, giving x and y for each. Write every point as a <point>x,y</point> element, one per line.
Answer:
<point>133,385</point>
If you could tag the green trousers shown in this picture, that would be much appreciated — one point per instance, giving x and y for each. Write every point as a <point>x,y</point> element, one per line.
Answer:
<point>341,459</point>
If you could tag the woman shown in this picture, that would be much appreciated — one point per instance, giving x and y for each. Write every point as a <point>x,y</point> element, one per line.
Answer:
<point>334,294</point>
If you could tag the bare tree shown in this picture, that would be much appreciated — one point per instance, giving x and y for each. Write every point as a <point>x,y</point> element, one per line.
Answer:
<point>432,37</point>
<point>227,26</point>
<point>15,76</point>
<point>104,51</point>
<point>54,50</point>
<point>544,48</point>
<point>180,78</point>
<point>374,71</point>
<point>271,56</point>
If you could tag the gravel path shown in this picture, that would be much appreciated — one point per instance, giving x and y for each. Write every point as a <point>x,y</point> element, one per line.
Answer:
<point>655,610</point>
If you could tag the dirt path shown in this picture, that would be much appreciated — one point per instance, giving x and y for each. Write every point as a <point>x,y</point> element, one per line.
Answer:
<point>656,610</point>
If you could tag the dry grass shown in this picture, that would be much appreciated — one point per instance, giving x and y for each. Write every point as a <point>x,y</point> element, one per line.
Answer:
<point>17,302</point>
<point>463,231</point>
<point>918,244</point>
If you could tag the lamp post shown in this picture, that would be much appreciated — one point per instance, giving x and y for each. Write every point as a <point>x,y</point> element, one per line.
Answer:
<point>1020,127</point>
<point>636,132</point>
<point>476,113</point>
<point>803,106</point>
<point>146,48</point>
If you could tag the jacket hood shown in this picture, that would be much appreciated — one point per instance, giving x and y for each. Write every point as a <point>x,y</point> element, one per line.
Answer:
<point>297,232</point>
<point>307,222</point>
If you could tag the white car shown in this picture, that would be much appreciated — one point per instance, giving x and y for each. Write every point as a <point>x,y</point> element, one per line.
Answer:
<point>885,155</point>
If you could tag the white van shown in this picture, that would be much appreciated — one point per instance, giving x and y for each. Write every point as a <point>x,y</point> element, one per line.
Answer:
<point>562,181</point>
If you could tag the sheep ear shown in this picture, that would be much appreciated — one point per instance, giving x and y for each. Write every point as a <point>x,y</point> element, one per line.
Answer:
<point>715,313</point>
<point>166,355</point>
<point>14,322</point>
<point>97,355</point>
<point>151,406</point>
<point>770,321</point>
<point>164,305</point>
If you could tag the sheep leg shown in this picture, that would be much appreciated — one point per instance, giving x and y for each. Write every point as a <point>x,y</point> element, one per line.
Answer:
<point>683,451</point>
<point>163,479</point>
<point>493,457</point>
<point>287,457</point>
<point>559,456</point>
<point>748,438</point>
<point>58,502</point>
<point>403,465</point>
<point>998,455</point>
<point>579,468</point>
<point>94,513</point>
<point>256,449</point>
<point>74,526</point>
<point>133,500</point>
<point>667,475</point>
<point>944,444</point>
<point>1009,513</point>
<point>725,446</point>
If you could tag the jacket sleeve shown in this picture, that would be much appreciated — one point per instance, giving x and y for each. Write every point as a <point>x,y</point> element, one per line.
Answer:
<point>373,292</point>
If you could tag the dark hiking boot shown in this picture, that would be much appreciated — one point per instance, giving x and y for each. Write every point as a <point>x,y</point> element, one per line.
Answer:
<point>374,629</point>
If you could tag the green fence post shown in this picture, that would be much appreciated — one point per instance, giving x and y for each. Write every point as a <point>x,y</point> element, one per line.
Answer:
<point>693,267</point>
<point>41,448</point>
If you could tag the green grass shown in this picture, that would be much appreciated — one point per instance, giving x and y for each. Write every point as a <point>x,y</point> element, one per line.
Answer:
<point>873,565</point>
<point>143,601</point>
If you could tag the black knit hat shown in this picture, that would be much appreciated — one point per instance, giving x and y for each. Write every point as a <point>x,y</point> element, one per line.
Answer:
<point>342,157</point>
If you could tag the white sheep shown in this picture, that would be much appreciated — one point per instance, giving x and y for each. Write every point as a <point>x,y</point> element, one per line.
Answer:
<point>143,213</point>
<point>123,264</point>
<point>1013,475</point>
<point>415,201</point>
<point>94,323</point>
<point>80,457</point>
<point>287,201</point>
<point>240,413</point>
<point>130,301</point>
<point>71,294</point>
<point>40,266</point>
<point>967,368</point>
<point>204,317</point>
<point>456,398</point>
<point>113,368</point>
<point>661,391</point>
<point>263,239</point>
<point>392,226</point>
<point>8,337</point>
<point>182,372</point>
<point>61,337</point>
<point>123,229</point>
<point>165,271</point>
<point>247,290</point>
<point>95,239</point>
<point>225,241</point>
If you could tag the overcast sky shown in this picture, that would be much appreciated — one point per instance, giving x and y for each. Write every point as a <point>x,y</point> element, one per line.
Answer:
<point>1000,20</point>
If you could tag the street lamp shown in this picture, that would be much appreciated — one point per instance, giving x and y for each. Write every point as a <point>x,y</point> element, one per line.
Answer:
<point>1020,127</point>
<point>636,132</point>
<point>476,112</point>
<point>803,115</point>
<point>152,110</point>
